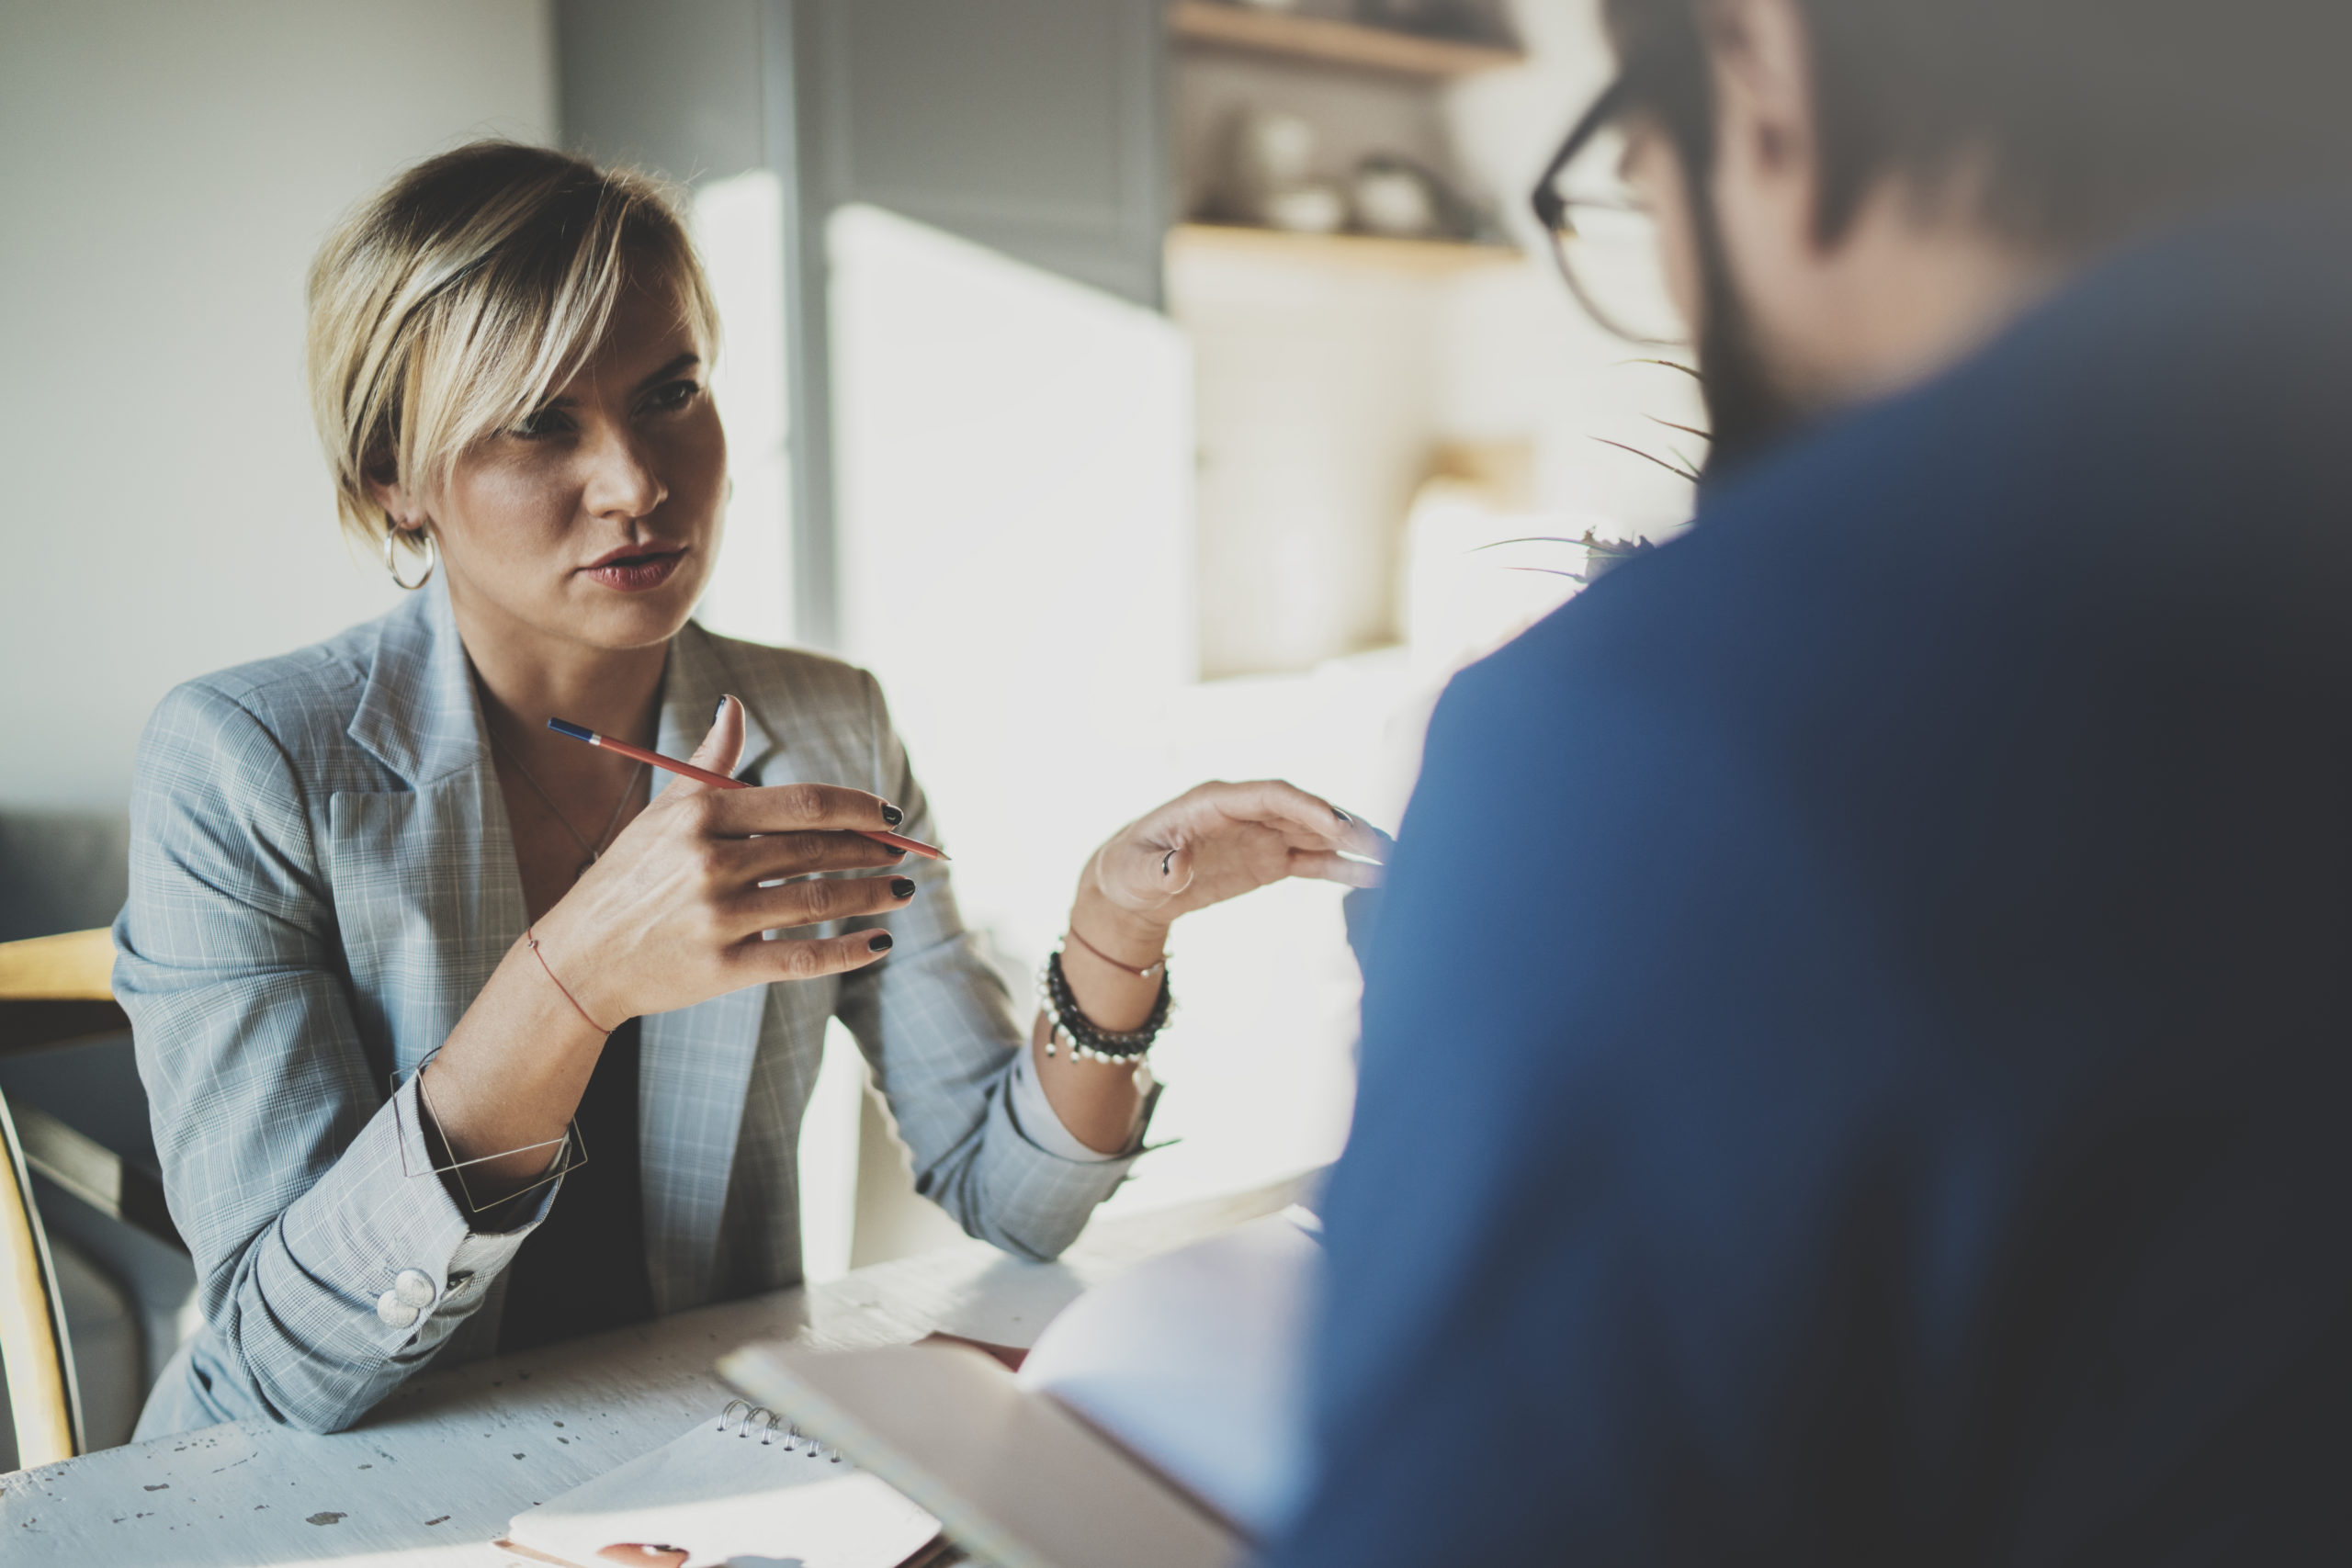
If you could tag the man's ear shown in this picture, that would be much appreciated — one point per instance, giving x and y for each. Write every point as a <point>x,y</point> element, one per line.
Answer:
<point>1763,82</point>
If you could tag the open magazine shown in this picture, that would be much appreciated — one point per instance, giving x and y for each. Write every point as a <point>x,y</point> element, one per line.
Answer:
<point>1158,1423</point>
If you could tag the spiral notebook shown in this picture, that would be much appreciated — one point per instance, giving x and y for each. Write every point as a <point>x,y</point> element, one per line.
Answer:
<point>745,1489</point>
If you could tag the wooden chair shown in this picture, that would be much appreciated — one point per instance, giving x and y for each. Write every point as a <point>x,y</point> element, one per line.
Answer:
<point>52,991</point>
<point>34,1349</point>
<point>55,990</point>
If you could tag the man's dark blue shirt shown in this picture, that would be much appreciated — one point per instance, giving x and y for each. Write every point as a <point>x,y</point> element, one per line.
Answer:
<point>1857,1048</point>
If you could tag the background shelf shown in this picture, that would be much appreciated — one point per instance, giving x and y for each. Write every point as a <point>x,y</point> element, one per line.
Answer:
<point>1430,257</point>
<point>1332,42</point>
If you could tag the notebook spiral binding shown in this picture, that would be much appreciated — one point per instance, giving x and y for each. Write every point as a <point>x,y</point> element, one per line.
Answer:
<point>743,1418</point>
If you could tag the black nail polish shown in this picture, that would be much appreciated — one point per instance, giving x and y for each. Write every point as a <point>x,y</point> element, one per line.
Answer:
<point>879,942</point>
<point>1166,860</point>
<point>1341,814</point>
<point>892,816</point>
<point>902,887</point>
<point>721,711</point>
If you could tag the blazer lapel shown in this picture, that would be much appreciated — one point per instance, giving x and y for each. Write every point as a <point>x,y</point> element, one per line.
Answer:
<point>436,857</point>
<point>694,1064</point>
<point>420,716</point>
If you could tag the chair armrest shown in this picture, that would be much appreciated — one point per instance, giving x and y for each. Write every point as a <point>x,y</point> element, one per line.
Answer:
<point>77,967</point>
<point>58,988</point>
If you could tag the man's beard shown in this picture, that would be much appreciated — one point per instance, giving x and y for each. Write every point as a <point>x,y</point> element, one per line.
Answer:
<point>1748,414</point>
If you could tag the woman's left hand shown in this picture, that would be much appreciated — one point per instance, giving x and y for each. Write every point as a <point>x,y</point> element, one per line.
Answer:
<point>1218,840</point>
<point>1212,842</point>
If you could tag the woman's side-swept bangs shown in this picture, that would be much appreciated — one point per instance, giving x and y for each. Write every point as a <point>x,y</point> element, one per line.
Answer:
<point>458,299</point>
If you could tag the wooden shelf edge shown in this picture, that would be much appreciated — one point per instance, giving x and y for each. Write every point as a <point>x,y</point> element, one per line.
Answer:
<point>1332,42</point>
<point>1369,251</point>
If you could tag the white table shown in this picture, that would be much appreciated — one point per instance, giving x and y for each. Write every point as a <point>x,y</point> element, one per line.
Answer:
<point>438,1469</point>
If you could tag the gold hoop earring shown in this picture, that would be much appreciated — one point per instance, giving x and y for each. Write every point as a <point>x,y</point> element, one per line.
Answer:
<point>431,558</point>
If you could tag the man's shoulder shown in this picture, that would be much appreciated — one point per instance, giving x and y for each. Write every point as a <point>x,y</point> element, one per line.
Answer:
<point>1779,594</point>
<point>1949,534</point>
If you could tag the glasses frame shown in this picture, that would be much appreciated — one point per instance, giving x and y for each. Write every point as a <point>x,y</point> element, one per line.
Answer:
<point>1552,209</point>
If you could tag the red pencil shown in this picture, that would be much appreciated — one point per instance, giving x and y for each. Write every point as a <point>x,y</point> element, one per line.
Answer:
<point>720,780</point>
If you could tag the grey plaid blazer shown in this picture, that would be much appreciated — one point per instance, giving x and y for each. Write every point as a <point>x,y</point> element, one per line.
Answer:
<point>322,879</point>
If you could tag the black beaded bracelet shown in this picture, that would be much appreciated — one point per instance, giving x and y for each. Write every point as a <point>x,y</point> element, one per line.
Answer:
<point>1070,1027</point>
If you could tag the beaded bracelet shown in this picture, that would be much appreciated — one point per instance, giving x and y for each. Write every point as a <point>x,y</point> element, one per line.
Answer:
<point>1070,1027</point>
<point>1111,1042</point>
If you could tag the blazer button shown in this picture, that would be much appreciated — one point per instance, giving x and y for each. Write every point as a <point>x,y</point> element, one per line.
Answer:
<point>414,1287</point>
<point>395,1312</point>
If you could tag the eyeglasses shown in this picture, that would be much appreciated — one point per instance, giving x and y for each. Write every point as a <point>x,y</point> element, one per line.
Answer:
<point>1603,237</point>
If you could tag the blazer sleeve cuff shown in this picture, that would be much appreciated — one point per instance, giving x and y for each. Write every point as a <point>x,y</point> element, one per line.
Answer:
<point>1036,1201</point>
<point>393,1251</point>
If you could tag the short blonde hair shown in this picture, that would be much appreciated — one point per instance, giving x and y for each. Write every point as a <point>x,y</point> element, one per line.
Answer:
<point>459,297</point>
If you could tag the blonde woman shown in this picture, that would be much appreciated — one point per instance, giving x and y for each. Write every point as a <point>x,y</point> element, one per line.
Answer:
<point>463,1036</point>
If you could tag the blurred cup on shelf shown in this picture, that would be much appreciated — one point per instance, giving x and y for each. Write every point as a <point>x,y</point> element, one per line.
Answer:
<point>1394,199</point>
<point>1317,208</point>
<point>1269,150</point>
<point>1270,176</point>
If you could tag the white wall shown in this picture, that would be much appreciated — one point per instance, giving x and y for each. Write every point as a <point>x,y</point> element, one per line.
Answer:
<point>1016,544</point>
<point>1316,414</point>
<point>169,170</point>
<point>738,227</point>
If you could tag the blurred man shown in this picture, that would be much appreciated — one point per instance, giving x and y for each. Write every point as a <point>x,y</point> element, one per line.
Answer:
<point>1858,1049</point>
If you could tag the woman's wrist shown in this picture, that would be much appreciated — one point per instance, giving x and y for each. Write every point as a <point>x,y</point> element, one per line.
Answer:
<point>1112,965</point>
<point>504,1083</point>
<point>566,954</point>
<point>1115,934</point>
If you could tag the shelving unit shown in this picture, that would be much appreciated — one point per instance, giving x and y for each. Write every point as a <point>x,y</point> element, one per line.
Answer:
<point>1427,258</point>
<point>1330,42</point>
<point>1313,356</point>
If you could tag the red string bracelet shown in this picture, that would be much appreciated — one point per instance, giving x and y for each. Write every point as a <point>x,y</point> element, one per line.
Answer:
<point>1146,972</point>
<point>531,939</point>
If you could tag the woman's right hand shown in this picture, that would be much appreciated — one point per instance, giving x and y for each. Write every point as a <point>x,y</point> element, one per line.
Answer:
<point>670,915</point>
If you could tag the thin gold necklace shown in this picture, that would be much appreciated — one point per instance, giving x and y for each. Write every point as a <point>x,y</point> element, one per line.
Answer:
<point>603,840</point>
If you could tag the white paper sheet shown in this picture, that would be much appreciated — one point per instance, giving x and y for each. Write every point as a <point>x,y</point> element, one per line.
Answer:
<point>1194,1362</point>
<point>728,1498</point>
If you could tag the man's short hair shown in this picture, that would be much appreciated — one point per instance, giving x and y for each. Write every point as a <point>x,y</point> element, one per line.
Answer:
<point>2093,118</point>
